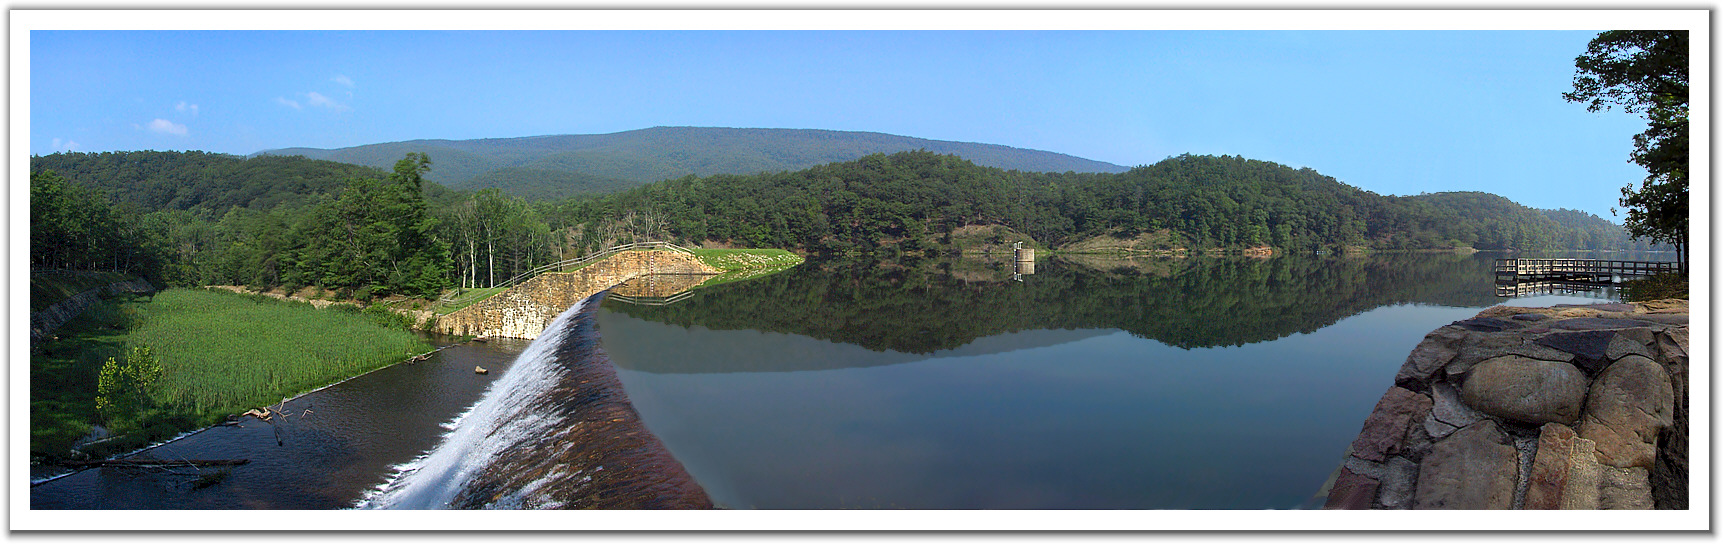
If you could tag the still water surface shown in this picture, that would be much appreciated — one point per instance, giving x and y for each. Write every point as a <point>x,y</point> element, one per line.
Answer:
<point>1187,384</point>
<point>1200,384</point>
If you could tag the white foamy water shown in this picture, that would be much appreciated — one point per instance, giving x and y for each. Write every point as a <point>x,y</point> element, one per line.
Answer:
<point>476,437</point>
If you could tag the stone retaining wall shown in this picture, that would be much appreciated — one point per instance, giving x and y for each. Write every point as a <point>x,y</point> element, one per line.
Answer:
<point>526,309</point>
<point>45,322</point>
<point>1571,407</point>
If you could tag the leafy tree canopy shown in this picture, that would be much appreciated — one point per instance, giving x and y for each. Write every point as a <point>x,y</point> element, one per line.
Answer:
<point>1645,72</point>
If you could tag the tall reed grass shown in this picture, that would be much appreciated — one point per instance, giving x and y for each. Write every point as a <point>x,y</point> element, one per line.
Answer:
<point>224,353</point>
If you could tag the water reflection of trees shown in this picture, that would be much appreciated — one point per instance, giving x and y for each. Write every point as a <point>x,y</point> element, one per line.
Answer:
<point>1190,303</point>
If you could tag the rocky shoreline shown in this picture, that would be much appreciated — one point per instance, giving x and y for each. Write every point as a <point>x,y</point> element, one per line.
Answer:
<point>1568,407</point>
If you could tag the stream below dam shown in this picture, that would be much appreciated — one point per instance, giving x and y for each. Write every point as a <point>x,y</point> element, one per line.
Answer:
<point>334,446</point>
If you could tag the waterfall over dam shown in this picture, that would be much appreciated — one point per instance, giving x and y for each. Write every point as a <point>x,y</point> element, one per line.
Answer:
<point>555,431</point>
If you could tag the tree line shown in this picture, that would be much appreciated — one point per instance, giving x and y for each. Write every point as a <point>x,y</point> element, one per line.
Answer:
<point>1645,72</point>
<point>200,219</point>
<point>913,201</point>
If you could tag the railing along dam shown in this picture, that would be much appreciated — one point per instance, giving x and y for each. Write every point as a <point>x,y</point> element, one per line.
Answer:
<point>524,310</point>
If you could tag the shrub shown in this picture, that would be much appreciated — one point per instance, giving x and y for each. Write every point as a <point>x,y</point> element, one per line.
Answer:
<point>121,388</point>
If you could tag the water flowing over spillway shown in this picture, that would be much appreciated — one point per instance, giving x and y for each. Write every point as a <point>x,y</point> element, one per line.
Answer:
<point>556,431</point>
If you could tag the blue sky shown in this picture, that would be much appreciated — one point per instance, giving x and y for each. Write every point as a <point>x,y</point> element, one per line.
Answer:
<point>1395,112</point>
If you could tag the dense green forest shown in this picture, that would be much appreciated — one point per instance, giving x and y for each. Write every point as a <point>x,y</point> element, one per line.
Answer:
<point>73,227</point>
<point>197,218</point>
<point>913,201</point>
<point>566,165</point>
<point>200,181</point>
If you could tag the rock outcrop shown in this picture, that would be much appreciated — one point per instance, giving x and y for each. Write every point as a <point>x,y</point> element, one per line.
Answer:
<point>45,322</point>
<point>1570,407</point>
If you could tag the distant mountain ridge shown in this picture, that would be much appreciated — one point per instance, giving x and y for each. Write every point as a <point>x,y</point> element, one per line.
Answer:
<point>565,165</point>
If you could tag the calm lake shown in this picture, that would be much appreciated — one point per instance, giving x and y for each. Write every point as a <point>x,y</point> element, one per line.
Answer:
<point>1202,383</point>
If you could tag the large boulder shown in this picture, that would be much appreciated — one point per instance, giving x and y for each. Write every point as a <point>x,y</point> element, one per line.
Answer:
<point>1475,348</point>
<point>1629,404</point>
<point>1526,390</point>
<point>1476,468</point>
<point>1385,428</point>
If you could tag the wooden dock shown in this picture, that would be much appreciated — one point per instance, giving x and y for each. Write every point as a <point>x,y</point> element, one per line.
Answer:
<point>1591,271</point>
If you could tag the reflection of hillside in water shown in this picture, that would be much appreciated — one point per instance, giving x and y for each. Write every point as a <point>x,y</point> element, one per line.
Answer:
<point>1190,303</point>
<point>1127,264</point>
<point>673,349</point>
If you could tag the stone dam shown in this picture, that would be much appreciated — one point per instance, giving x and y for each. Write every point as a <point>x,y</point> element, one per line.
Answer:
<point>524,311</point>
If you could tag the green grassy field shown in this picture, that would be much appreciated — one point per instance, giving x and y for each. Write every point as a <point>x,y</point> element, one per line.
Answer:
<point>744,275</point>
<point>466,298</point>
<point>741,259</point>
<point>221,353</point>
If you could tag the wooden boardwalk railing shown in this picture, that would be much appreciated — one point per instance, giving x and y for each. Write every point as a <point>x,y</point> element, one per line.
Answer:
<point>1578,289</point>
<point>1576,270</point>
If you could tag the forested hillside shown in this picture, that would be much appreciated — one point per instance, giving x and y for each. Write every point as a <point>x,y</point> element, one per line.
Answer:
<point>196,180</point>
<point>913,201</point>
<point>568,165</point>
<point>199,219</point>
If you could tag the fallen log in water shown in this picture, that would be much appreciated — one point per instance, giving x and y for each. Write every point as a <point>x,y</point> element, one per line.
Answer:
<point>156,463</point>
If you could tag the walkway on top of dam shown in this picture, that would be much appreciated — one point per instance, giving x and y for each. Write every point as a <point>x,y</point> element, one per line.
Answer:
<point>533,300</point>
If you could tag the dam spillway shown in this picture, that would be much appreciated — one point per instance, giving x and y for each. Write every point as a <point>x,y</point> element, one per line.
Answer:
<point>556,431</point>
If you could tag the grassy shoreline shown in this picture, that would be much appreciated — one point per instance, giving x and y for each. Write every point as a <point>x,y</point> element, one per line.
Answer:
<point>731,260</point>
<point>221,354</point>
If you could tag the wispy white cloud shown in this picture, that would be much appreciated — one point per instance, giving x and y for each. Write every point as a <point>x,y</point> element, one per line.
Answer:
<point>165,126</point>
<point>183,107</point>
<point>317,99</point>
<point>66,145</point>
<point>289,103</point>
<point>343,80</point>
